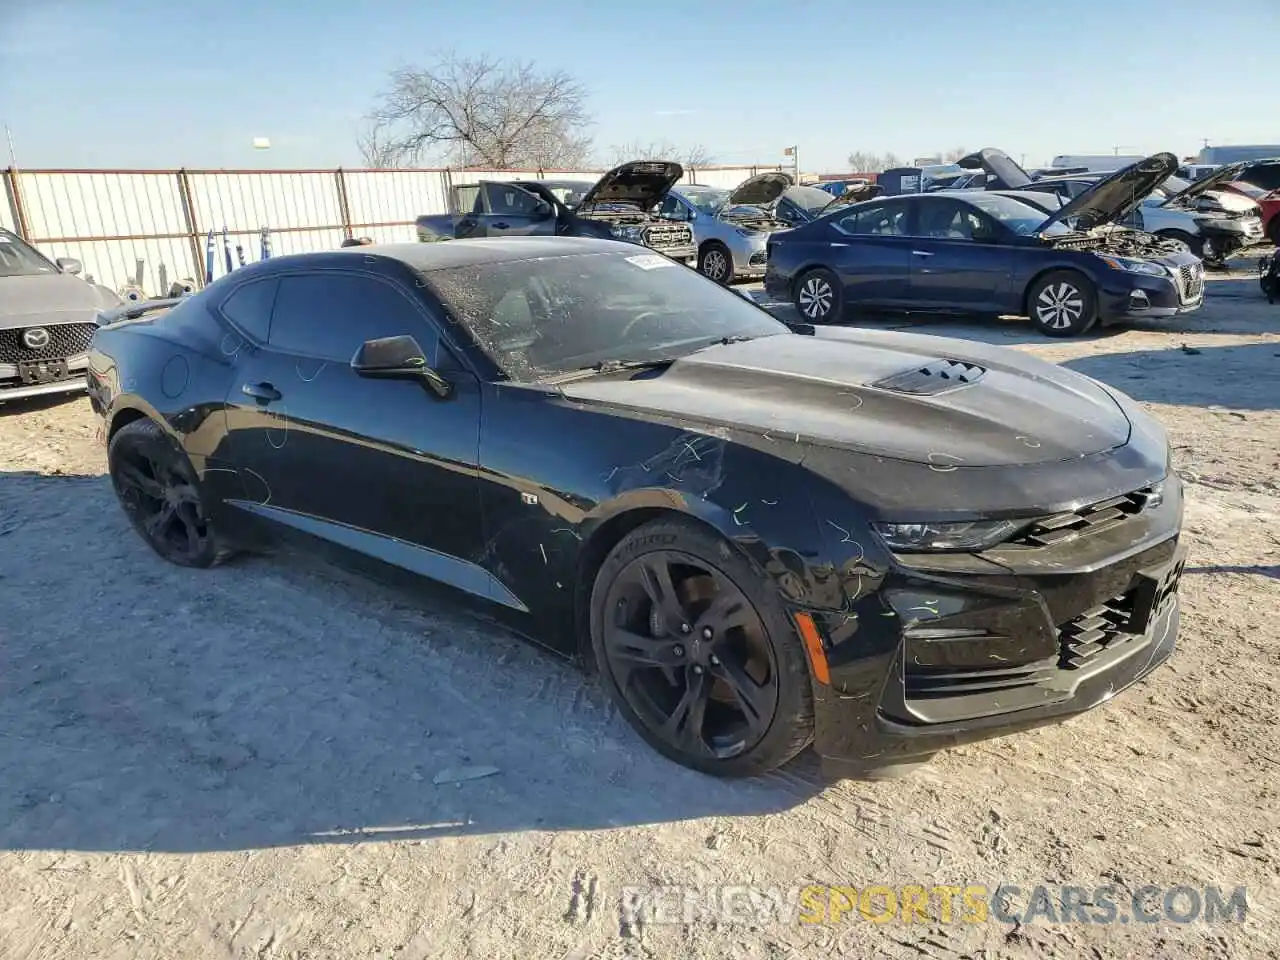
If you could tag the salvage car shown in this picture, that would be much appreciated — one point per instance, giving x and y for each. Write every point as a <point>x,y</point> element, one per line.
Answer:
<point>761,536</point>
<point>984,252</point>
<point>47,316</point>
<point>620,205</point>
<point>1260,182</point>
<point>730,227</point>
<point>1211,223</point>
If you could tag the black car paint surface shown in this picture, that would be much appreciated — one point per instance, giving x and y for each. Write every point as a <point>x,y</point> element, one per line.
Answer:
<point>789,445</point>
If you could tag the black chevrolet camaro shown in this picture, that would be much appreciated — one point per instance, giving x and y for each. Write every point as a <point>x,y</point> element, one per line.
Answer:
<point>761,536</point>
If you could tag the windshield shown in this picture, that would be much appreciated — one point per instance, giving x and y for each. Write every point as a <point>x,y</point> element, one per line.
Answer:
<point>19,260</point>
<point>809,199</point>
<point>705,200</point>
<point>1248,189</point>
<point>539,318</point>
<point>570,194</point>
<point>1022,218</point>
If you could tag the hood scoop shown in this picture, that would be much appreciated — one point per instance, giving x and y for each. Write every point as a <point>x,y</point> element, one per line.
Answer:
<point>936,376</point>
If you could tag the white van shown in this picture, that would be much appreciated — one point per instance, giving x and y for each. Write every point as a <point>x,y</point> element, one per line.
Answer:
<point>1094,163</point>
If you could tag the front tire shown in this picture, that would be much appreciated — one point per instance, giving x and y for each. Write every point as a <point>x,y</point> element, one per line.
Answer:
<point>1273,229</point>
<point>157,488</point>
<point>696,650</point>
<point>1063,304</point>
<point>819,298</point>
<point>715,262</point>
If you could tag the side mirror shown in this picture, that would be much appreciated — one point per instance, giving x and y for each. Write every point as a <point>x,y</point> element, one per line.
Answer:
<point>398,358</point>
<point>69,265</point>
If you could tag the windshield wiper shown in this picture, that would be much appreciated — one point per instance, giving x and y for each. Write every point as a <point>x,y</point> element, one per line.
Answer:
<point>613,366</point>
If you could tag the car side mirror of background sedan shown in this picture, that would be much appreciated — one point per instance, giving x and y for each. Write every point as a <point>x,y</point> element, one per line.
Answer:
<point>398,358</point>
<point>69,265</point>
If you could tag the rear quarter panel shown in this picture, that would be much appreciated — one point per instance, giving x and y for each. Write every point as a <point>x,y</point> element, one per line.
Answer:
<point>175,368</point>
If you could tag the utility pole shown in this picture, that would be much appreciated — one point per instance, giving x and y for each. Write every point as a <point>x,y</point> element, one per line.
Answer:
<point>13,157</point>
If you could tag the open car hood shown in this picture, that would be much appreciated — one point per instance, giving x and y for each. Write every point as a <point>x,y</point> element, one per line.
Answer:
<point>1118,195</point>
<point>998,165</point>
<point>1263,174</point>
<point>1224,174</point>
<point>643,183</point>
<point>762,190</point>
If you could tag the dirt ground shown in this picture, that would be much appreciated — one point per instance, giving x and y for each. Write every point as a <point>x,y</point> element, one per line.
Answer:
<point>240,763</point>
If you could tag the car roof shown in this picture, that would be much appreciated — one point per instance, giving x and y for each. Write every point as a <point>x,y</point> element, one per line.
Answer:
<point>445,254</point>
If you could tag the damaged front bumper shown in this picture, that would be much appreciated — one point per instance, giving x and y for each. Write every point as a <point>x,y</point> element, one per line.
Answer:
<point>963,647</point>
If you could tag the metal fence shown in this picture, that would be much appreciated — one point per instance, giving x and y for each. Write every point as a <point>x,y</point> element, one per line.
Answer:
<point>123,225</point>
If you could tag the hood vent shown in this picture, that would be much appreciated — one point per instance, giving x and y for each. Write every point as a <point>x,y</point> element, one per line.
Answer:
<point>936,376</point>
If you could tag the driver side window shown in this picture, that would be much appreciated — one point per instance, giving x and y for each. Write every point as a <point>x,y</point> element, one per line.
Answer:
<point>503,198</point>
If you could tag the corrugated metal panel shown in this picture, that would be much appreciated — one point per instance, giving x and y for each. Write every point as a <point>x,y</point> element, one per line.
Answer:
<point>109,219</point>
<point>393,197</point>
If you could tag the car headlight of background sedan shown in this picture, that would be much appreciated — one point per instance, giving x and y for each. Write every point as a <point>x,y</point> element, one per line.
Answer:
<point>939,537</point>
<point>1144,267</point>
<point>628,232</point>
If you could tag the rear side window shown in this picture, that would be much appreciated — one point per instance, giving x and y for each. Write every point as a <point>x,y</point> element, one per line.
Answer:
<point>876,220</point>
<point>249,307</point>
<point>329,315</point>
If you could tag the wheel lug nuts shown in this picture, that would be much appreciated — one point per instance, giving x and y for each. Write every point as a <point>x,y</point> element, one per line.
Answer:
<point>679,651</point>
<point>706,633</point>
<point>685,628</point>
<point>697,669</point>
<point>715,661</point>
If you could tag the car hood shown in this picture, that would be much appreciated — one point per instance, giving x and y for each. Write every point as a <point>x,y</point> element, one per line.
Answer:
<point>643,183</point>
<point>1115,197</point>
<point>1264,174</point>
<point>1224,174</point>
<point>864,391</point>
<point>47,298</point>
<point>997,164</point>
<point>760,191</point>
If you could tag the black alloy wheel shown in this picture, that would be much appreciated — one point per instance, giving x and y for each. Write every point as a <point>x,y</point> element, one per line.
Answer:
<point>698,653</point>
<point>157,488</point>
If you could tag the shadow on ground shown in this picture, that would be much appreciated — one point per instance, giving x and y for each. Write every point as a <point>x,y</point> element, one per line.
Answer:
<point>1243,377</point>
<point>275,702</point>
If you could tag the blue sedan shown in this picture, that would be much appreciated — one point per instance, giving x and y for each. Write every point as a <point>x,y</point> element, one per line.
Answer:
<point>990,253</point>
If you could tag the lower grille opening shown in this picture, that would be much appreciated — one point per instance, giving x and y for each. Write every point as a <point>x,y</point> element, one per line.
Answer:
<point>1094,632</point>
<point>927,683</point>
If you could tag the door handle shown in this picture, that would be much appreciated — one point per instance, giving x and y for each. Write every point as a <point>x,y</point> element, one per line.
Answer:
<point>500,226</point>
<point>922,253</point>
<point>262,392</point>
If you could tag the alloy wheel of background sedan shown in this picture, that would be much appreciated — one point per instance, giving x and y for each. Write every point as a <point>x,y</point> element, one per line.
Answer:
<point>715,264</point>
<point>817,297</point>
<point>1060,305</point>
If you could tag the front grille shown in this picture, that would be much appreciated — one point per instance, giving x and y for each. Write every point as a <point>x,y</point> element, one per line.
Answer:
<point>1094,632</point>
<point>667,235</point>
<point>65,340</point>
<point>1190,282</point>
<point>1095,518</point>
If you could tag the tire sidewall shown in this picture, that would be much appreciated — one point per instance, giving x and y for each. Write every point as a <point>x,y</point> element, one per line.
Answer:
<point>837,295</point>
<point>720,248</point>
<point>792,727</point>
<point>147,436</point>
<point>1088,293</point>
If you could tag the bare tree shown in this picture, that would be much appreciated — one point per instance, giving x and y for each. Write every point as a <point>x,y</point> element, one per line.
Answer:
<point>478,111</point>
<point>860,161</point>
<point>955,153</point>
<point>694,155</point>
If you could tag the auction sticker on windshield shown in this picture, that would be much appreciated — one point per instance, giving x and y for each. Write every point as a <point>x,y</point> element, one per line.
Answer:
<point>651,261</point>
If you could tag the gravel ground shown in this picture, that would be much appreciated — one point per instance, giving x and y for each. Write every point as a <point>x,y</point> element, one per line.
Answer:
<point>240,763</point>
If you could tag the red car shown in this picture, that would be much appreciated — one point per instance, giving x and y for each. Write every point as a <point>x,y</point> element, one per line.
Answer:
<point>1261,184</point>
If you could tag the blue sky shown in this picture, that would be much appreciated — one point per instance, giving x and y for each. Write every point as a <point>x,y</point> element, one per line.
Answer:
<point>145,83</point>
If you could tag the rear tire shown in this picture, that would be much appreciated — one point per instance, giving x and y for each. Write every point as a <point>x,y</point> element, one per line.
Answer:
<point>695,649</point>
<point>715,262</point>
<point>1063,303</point>
<point>160,494</point>
<point>819,297</point>
<point>1273,229</point>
